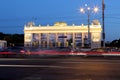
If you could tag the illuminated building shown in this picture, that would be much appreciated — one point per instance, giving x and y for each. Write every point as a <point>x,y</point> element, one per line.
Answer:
<point>62,35</point>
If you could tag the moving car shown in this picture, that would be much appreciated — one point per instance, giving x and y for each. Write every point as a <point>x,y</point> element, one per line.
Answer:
<point>18,50</point>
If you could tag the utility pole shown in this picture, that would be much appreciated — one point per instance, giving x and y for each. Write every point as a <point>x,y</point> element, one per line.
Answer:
<point>89,39</point>
<point>103,26</point>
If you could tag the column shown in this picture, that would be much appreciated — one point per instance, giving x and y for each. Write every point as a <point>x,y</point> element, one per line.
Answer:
<point>82,39</point>
<point>56,39</point>
<point>31,43</point>
<point>65,40</point>
<point>73,42</point>
<point>40,40</point>
<point>48,40</point>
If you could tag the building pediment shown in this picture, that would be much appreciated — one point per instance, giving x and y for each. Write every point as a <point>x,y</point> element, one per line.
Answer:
<point>60,24</point>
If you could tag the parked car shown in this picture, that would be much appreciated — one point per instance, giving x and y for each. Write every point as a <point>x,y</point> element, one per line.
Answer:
<point>105,50</point>
<point>99,50</point>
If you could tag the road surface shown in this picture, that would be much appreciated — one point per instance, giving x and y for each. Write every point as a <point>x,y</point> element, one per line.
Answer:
<point>70,68</point>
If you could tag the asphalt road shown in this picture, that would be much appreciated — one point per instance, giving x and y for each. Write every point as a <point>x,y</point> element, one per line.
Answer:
<point>73,68</point>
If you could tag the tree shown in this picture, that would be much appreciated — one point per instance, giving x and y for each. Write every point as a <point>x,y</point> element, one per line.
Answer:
<point>13,39</point>
<point>1,36</point>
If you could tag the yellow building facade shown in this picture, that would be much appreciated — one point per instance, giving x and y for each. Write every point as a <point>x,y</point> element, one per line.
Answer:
<point>62,35</point>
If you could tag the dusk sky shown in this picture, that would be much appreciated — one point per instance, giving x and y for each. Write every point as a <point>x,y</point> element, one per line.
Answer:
<point>14,14</point>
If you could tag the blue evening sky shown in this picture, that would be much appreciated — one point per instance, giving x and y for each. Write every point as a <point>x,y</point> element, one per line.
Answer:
<point>14,14</point>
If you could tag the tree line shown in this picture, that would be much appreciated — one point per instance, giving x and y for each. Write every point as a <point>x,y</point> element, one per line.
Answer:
<point>114,43</point>
<point>13,39</point>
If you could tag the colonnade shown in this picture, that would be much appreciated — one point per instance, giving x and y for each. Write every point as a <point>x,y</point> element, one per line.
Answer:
<point>59,40</point>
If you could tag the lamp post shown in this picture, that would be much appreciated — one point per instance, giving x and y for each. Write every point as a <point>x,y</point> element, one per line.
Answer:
<point>87,10</point>
<point>103,32</point>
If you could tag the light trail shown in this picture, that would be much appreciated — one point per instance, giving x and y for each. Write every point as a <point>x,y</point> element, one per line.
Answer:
<point>92,62</point>
<point>33,66</point>
<point>59,59</point>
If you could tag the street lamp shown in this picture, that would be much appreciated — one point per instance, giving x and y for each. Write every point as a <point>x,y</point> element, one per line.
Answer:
<point>103,26</point>
<point>87,10</point>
